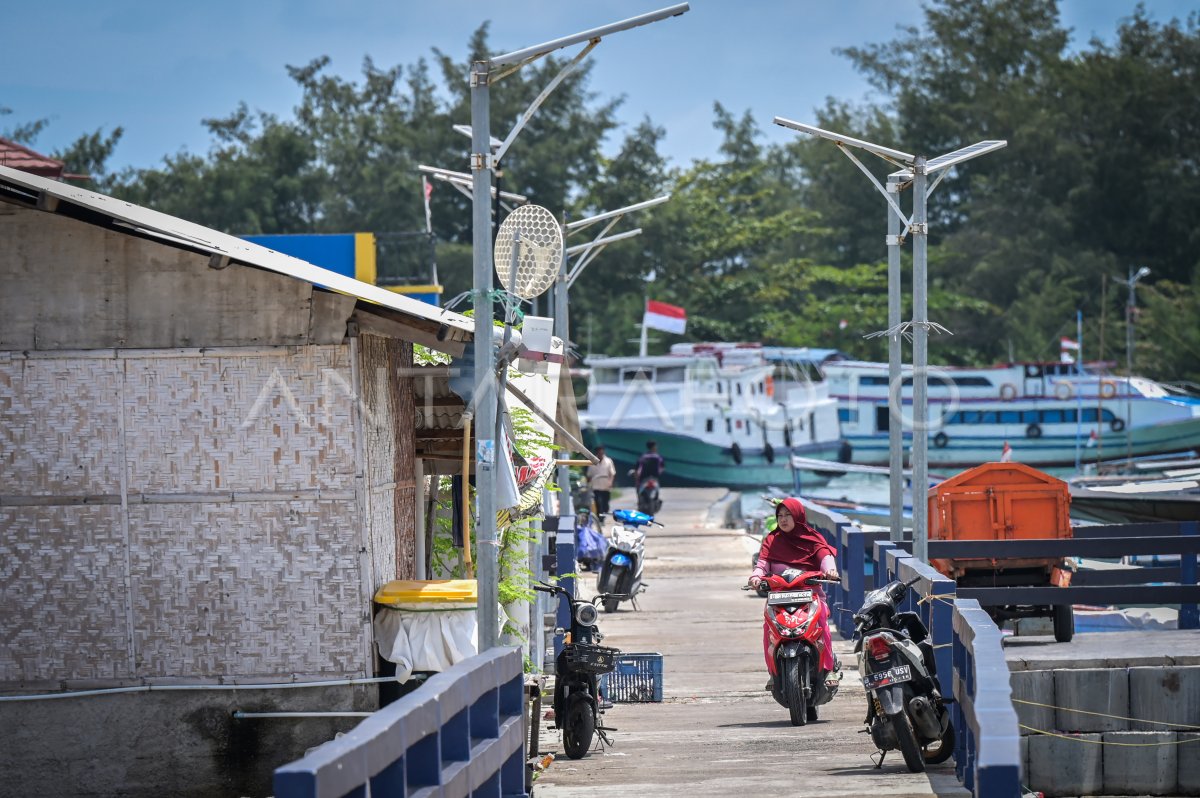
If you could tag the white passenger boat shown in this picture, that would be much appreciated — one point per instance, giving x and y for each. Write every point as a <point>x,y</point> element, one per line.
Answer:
<point>716,413</point>
<point>1043,411</point>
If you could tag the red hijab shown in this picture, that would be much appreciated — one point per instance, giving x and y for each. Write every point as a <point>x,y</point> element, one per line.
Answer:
<point>803,547</point>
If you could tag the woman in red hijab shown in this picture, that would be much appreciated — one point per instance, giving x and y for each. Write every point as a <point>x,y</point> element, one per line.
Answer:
<point>795,544</point>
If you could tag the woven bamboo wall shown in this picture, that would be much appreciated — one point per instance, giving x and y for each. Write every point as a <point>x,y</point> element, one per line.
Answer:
<point>388,418</point>
<point>179,513</point>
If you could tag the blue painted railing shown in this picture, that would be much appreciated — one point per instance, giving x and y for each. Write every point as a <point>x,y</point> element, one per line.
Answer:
<point>459,734</point>
<point>970,660</point>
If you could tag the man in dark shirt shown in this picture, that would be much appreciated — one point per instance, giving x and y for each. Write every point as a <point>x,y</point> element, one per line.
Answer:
<point>650,464</point>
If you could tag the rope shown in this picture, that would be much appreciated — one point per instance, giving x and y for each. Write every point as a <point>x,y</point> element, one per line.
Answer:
<point>1105,742</point>
<point>1186,726</point>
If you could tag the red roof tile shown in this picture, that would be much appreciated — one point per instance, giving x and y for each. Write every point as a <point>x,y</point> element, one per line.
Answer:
<point>17,156</point>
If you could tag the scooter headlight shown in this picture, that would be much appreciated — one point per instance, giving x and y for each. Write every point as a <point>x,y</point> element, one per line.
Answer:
<point>586,614</point>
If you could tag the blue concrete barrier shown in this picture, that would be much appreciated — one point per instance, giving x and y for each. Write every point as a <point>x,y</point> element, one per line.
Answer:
<point>459,734</point>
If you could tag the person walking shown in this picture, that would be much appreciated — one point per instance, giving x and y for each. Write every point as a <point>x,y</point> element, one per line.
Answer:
<point>600,478</point>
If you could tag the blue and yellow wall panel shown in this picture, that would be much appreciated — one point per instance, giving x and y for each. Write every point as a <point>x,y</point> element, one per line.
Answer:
<point>348,254</point>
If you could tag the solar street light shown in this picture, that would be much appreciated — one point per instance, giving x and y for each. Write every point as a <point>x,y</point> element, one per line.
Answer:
<point>485,155</point>
<point>915,171</point>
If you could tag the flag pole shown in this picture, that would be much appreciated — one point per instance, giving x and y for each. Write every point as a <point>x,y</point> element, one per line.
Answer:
<point>644,341</point>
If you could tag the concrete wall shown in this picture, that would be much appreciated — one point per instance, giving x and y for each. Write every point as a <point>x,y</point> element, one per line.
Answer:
<point>1113,746</point>
<point>166,743</point>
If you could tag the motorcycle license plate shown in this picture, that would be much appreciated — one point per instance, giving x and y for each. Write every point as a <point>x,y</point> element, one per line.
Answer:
<point>790,597</point>
<point>901,673</point>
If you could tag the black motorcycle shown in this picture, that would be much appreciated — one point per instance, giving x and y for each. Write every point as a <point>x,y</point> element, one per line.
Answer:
<point>647,496</point>
<point>905,710</point>
<point>577,703</point>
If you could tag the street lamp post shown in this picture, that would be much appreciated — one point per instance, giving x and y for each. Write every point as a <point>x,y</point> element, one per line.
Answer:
<point>917,169</point>
<point>1130,314</point>
<point>484,161</point>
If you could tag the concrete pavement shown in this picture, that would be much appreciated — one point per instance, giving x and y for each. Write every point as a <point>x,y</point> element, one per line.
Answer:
<point>717,732</point>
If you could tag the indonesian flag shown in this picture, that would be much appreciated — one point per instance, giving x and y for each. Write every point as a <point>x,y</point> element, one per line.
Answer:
<point>661,316</point>
<point>1066,347</point>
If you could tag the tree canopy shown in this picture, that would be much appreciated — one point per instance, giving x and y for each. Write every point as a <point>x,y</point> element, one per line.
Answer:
<point>778,243</point>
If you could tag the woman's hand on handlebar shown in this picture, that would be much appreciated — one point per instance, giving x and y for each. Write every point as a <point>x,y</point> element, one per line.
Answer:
<point>832,575</point>
<point>754,582</point>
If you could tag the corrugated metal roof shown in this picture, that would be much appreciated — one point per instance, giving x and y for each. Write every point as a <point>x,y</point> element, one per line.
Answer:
<point>18,156</point>
<point>51,195</point>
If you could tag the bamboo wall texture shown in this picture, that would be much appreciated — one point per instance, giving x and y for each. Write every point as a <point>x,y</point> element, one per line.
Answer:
<point>388,417</point>
<point>179,513</point>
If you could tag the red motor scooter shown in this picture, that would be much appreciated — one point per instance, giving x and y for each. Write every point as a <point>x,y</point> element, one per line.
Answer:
<point>797,618</point>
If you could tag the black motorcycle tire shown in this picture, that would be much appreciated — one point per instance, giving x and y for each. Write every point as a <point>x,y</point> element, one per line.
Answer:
<point>578,729</point>
<point>1064,623</point>
<point>944,750</point>
<point>610,604</point>
<point>793,691</point>
<point>907,742</point>
<point>614,584</point>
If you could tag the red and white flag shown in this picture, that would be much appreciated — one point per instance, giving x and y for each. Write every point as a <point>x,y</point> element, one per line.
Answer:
<point>1066,347</point>
<point>661,316</point>
<point>1006,453</point>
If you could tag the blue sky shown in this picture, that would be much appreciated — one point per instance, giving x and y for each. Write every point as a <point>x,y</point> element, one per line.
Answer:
<point>158,68</point>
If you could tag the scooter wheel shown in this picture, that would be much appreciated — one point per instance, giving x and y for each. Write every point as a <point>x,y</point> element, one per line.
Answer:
<point>907,740</point>
<point>578,729</point>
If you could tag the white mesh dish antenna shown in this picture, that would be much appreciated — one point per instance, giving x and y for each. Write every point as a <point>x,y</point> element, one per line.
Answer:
<point>541,251</point>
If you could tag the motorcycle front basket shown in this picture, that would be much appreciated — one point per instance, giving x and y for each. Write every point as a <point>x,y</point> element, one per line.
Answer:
<point>591,658</point>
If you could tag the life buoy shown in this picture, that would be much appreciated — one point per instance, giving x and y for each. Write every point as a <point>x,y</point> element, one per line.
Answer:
<point>769,452</point>
<point>736,451</point>
<point>1118,424</point>
<point>1008,392</point>
<point>1033,431</point>
<point>1063,391</point>
<point>770,383</point>
<point>940,440</point>
<point>1108,389</point>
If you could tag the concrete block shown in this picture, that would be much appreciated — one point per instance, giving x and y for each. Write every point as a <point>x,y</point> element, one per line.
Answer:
<point>1026,627</point>
<point>1139,766</point>
<point>1171,695</point>
<point>1037,686</point>
<point>1101,690</point>
<point>1066,766</point>
<point>1189,763</point>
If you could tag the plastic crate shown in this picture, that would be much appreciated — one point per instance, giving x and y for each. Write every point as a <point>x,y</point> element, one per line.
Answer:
<point>637,678</point>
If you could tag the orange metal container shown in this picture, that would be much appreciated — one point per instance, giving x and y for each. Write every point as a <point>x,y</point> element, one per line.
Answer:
<point>999,501</point>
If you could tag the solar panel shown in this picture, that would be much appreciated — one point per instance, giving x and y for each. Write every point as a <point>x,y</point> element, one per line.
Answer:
<point>885,152</point>
<point>964,154</point>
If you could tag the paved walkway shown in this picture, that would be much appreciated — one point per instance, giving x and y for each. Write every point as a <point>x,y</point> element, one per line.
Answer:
<point>717,732</point>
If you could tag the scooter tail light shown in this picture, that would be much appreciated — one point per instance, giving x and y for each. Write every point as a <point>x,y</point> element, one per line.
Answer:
<point>879,647</point>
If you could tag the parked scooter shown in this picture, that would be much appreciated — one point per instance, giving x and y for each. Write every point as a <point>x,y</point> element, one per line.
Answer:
<point>578,708</point>
<point>895,659</point>
<point>797,620</point>
<point>647,496</point>
<point>620,575</point>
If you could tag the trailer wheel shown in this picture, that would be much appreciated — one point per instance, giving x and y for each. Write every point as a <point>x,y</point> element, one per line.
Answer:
<point>1064,623</point>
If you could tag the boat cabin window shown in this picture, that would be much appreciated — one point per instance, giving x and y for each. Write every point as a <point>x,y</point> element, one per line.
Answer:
<point>708,425</point>
<point>747,426</point>
<point>1054,416</point>
<point>883,418</point>
<point>719,387</point>
<point>637,373</point>
<point>728,427</point>
<point>739,389</point>
<point>848,415</point>
<point>812,427</point>
<point>671,374</point>
<point>934,379</point>
<point>605,376</point>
